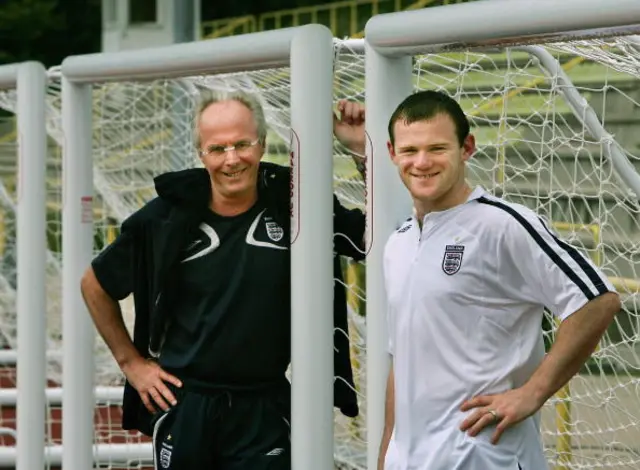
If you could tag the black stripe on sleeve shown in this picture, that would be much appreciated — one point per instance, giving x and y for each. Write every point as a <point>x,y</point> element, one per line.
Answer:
<point>555,257</point>
<point>591,273</point>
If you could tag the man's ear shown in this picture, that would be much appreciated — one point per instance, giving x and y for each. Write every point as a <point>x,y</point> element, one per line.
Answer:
<point>468,147</point>
<point>263,144</point>
<point>392,152</point>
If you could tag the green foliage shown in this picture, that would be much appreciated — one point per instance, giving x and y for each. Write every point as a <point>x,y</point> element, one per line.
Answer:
<point>48,30</point>
<point>25,25</point>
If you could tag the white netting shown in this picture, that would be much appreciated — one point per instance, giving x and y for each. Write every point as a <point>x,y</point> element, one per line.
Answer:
<point>532,150</point>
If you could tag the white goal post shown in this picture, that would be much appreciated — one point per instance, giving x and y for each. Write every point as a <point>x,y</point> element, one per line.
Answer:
<point>309,52</point>
<point>29,80</point>
<point>391,41</point>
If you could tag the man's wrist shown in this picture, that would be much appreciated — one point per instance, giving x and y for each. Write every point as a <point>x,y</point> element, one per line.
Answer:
<point>357,151</point>
<point>128,358</point>
<point>538,391</point>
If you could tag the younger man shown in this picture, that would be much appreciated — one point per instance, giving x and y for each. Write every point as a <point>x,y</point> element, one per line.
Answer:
<point>467,279</point>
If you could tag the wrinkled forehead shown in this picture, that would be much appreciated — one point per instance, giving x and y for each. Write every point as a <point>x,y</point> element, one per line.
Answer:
<point>227,120</point>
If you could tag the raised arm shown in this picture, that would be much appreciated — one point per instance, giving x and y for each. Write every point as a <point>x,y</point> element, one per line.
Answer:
<point>349,224</point>
<point>349,129</point>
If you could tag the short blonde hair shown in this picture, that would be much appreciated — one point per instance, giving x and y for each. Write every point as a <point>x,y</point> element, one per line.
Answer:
<point>209,97</point>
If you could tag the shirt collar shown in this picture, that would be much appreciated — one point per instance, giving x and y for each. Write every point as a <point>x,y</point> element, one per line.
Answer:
<point>476,193</point>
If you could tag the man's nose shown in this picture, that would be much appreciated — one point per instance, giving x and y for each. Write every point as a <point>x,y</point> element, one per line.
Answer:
<point>231,157</point>
<point>422,159</point>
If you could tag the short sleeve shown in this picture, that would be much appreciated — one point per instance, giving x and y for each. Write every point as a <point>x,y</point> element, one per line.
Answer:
<point>542,268</point>
<point>113,267</point>
<point>348,229</point>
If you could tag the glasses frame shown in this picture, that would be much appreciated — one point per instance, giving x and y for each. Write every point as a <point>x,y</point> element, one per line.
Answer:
<point>224,150</point>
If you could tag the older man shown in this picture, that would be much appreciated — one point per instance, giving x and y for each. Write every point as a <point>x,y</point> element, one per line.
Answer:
<point>208,262</point>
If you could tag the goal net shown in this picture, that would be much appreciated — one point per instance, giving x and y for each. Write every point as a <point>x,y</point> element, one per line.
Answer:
<point>532,149</point>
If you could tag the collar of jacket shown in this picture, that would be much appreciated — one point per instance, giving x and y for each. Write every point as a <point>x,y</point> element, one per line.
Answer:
<point>191,188</point>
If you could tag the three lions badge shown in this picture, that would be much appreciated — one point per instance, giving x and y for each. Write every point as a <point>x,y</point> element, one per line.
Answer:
<point>274,231</point>
<point>452,260</point>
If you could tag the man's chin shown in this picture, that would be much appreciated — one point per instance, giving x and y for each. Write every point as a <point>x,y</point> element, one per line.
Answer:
<point>235,186</point>
<point>425,192</point>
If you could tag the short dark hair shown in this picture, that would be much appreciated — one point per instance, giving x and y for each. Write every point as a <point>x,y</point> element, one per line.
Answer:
<point>425,105</point>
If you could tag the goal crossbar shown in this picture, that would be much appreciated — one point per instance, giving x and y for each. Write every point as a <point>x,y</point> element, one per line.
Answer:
<point>29,80</point>
<point>262,50</point>
<point>308,50</point>
<point>493,22</point>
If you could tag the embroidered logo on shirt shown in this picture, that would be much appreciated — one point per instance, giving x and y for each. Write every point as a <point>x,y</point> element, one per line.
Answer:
<point>274,231</point>
<point>212,242</point>
<point>276,451</point>
<point>404,228</point>
<point>406,225</point>
<point>452,259</point>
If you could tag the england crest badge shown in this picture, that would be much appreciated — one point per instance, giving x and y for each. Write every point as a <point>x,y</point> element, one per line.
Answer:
<point>452,259</point>
<point>274,231</point>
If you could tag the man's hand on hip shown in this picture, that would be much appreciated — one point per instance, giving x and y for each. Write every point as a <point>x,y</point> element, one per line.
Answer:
<point>502,410</point>
<point>148,378</point>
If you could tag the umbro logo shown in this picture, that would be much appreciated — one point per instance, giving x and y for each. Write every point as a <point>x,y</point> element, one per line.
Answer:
<point>405,226</point>
<point>193,245</point>
<point>276,451</point>
<point>210,243</point>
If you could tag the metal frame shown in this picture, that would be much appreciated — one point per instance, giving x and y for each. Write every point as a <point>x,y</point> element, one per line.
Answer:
<point>29,78</point>
<point>309,52</point>
<point>391,40</point>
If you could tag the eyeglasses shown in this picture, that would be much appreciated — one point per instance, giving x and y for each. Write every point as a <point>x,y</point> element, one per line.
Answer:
<point>242,147</point>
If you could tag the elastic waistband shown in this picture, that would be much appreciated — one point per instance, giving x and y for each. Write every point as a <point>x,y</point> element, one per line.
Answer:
<point>211,388</point>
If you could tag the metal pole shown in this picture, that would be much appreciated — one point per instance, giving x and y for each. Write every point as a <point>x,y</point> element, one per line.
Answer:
<point>183,31</point>
<point>247,52</point>
<point>31,265</point>
<point>387,82</point>
<point>183,20</point>
<point>77,251</point>
<point>312,249</point>
<point>498,22</point>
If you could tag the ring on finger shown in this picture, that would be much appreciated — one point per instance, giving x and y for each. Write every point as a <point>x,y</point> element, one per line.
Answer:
<point>494,414</point>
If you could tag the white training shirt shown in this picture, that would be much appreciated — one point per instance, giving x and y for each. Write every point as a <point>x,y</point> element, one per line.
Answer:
<point>466,297</point>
